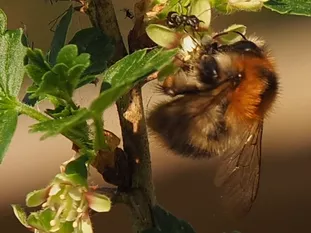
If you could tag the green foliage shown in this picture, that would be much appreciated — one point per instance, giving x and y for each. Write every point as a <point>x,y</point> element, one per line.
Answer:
<point>292,7</point>
<point>11,76</point>
<point>8,123</point>
<point>125,73</point>
<point>58,81</point>
<point>100,47</point>
<point>168,223</point>
<point>56,126</point>
<point>78,166</point>
<point>60,34</point>
<point>12,58</point>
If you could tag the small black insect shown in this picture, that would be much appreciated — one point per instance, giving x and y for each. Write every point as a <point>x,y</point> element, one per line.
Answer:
<point>174,20</point>
<point>128,13</point>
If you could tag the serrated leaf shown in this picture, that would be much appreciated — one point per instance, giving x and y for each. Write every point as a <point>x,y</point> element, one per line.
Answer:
<point>137,65</point>
<point>124,74</point>
<point>8,123</point>
<point>107,98</point>
<point>100,47</point>
<point>53,84</point>
<point>12,54</point>
<point>168,223</point>
<point>57,126</point>
<point>68,55</point>
<point>60,35</point>
<point>292,7</point>
<point>119,71</point>
<point>20,215</point>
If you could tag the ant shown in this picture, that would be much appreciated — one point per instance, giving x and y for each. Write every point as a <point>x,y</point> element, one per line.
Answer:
<point>175,20</point>
<point>128,13</point>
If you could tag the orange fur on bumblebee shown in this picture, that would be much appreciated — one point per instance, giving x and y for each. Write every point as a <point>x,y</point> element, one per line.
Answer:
<point>221,97</point>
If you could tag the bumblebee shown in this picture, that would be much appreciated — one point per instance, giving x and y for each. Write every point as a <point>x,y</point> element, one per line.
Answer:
<point>221,96</point>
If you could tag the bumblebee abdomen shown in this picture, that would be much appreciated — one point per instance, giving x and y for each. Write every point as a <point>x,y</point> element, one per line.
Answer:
<point>190,127</point>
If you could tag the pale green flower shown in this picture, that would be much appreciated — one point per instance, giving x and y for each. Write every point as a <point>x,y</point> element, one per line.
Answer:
<point>65,206</point>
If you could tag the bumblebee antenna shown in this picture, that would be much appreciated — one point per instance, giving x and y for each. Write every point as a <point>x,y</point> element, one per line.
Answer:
<point>225,33</point>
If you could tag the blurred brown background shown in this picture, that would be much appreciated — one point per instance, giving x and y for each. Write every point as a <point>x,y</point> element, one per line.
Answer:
<point>183,186</point>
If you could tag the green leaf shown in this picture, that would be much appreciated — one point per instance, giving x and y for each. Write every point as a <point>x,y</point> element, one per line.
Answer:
<point>68,55</point>
<point>20,215</point>
<point>292,7</point>
<point>138,65</point>
<point>8,123</point>
<point>65,76</point>
<point>99,141</point>
<point>100,47</point>
<point>78,166</point>
<point>37,66</point>
<point>170,69</point>
<point>107,98</point>
<point>57,126</point>
<point>168,223</point>
<point>54,84</point>
<point>12,54</point>
<point>124,74</point>
<point>60,35</point>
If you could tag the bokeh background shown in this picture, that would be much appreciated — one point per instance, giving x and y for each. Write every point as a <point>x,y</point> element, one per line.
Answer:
<point>184,187</point>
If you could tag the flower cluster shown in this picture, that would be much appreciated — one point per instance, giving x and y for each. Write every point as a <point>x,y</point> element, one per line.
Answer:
<point>65,206</point>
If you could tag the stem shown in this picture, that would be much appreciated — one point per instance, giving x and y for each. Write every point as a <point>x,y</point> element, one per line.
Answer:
<point>131,114</point>
<point>33,113</point>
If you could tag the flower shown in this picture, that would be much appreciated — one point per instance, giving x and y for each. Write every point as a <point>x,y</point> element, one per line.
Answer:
<point>65,206</point>
<point>247,5</point>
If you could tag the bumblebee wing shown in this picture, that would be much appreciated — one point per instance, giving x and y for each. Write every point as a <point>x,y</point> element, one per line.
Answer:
<point>239,171</point>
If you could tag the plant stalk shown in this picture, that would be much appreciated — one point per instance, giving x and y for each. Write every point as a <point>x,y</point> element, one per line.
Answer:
<point>131,114</point>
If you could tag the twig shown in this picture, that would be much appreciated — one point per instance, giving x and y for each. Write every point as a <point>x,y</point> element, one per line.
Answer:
<point>134,133</point>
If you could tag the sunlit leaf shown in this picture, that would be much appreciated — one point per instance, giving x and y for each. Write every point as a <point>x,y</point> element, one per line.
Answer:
<point>12,54</point>
<point>56,126</point>
<point>125,73</point>
<point>292,7</point>
<point>8,123</point>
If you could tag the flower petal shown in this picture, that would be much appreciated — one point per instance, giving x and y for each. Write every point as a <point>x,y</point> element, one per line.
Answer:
<point>36,197</point>
<point>98,202</point>
<point>86,225</point>
<point>20,215</point>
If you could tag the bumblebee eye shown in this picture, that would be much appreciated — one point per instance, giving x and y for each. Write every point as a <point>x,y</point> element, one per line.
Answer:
<point>209,70</point>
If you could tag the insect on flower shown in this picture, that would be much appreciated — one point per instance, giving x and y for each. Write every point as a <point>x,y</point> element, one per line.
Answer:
<point>222,95</point>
